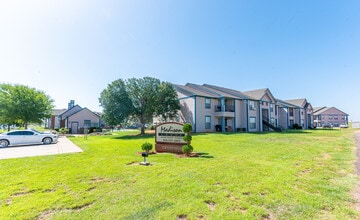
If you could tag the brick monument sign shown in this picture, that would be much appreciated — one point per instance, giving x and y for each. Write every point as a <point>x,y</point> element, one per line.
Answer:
<point>169,137</point>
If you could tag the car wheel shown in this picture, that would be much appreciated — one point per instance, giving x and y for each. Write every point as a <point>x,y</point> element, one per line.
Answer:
<point>47,140</point>
<point>4,143</point>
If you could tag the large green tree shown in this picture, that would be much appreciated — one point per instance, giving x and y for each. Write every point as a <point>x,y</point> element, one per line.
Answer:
<point>116,103</point>
<point>142,98</point>
<point>22,104</point>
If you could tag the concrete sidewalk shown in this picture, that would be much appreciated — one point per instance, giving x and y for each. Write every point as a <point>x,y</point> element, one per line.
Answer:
<point>63,145</point>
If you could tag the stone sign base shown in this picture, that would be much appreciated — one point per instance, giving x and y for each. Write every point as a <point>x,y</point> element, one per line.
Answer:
<point>170,148</point>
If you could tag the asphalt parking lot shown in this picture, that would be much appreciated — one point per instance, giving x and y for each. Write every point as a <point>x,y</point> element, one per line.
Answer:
<point>63,146</point>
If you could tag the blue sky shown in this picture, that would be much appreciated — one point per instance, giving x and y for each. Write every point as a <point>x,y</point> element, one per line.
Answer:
<point>74,49</point>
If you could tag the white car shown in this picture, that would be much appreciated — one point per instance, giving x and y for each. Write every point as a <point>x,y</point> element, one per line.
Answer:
<point>344,126</point>
<point>26,137</point>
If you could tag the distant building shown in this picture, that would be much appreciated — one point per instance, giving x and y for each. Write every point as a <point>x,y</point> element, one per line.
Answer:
<point>295,111</point>
<point>75,118</point>
<point>355,124</point>
<point>53,122</point>
<point>329,116</point>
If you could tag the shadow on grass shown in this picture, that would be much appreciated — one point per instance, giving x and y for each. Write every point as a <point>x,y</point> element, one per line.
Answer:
<point>135,137</point>
<point>205,155</point>
<point>150,212</point>
<point>282,132</point>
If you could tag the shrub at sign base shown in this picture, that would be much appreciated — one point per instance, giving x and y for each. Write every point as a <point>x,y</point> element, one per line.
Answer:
<point>187,149</point>
<point>146,147</point>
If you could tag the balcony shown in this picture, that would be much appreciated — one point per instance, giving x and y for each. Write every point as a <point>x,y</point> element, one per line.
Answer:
<point>224,111</point>
<point>228,108</point>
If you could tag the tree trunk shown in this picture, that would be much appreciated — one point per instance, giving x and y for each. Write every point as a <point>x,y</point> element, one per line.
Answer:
<point>142,122</point>
<point>142,129</point>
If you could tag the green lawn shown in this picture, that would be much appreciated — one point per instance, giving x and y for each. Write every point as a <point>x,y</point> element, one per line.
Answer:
<point>288,175</point>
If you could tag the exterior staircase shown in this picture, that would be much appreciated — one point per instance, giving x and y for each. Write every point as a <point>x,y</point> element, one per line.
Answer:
<point>270,125</point>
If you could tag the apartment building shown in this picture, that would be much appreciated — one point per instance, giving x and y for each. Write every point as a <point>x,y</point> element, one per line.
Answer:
<point>212,108</point>
<point>329,116</point>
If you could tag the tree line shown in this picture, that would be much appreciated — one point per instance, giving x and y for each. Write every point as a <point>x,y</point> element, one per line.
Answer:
<point>22,105</point>
<point>140,98</point>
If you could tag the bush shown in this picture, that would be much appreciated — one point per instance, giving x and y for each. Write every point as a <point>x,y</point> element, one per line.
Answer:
<point>64,131</point>
<point>296,126</point>
<point>187,128</point>
<point>152,127</point>
<point>187,149</point>
<point>94,129</point>
<point>146,147</point>
<point>187,138</point>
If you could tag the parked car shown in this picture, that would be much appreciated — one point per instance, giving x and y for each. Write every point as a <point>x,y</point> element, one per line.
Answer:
<point>26,137</point>
<point>327,126</point>
<point>344,126</point>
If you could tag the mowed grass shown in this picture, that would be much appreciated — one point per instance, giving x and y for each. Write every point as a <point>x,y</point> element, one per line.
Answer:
<point>288,175</point>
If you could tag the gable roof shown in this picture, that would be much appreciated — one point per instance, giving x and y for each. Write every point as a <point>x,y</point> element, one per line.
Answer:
<point>190,91</point>
<point>70,111</point>
<point>298,102</point>
<point>283,103</point>
<point>228,92</point>
<point>316,109</point>
<point>259,94</point>
<point>57,112</point>
<point>82,110</point>
<point>329,110</point>
<point>204,89</point>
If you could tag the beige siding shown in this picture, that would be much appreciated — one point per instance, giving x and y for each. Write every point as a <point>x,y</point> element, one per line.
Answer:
<point>282,115</point>
<point>201,113</point>
<point>240,106</point>
<point>83,115</point>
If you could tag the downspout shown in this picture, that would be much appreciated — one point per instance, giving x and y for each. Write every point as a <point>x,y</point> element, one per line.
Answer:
<point>269,117</point>
<point>247,114</point>
<point>287,118</point>
<point>222,117</point>
<point>234,115</point>
<point>306,118</point>
<point>260,124</point>
<point>278,118</point>
<point>195,114</point>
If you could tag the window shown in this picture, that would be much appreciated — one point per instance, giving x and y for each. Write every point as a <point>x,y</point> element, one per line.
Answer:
<point>252,105</point>
<point>336,117</point>
<point>207,122</point>
<point>330,117</point>
<point>291,112</point>
<point>87,123</point>
<point>28,133</point>
<point>207,103</point>
<point>271,108</point>
<point>15,133</point>
<point>252,122</point>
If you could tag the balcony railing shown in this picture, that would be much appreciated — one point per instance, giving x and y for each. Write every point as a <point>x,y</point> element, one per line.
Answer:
<point>228,108</point>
